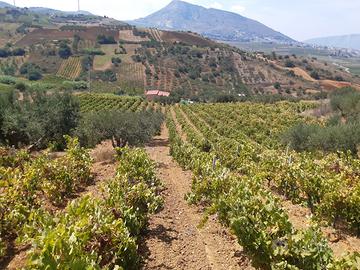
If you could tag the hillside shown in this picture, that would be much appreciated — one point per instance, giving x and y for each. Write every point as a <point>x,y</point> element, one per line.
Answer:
<point>5,5</point>
<point>44,11</point>
<point>235,160</point>
<point>345,41</point>
<point>41,10</point>
<point>212,23</point>
<point>129,60</point>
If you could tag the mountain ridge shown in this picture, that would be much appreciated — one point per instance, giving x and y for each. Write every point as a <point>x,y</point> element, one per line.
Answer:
<point>351,41</point>
<point>4,5</point>
<point>223,26</point>
<point>44,10</point>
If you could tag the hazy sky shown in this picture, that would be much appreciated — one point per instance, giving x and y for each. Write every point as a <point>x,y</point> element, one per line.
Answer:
<point>299,19</point>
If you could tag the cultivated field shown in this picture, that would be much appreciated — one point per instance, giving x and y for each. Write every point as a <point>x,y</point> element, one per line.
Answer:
<point>70,68</point>
<point>103,62</point>
<point>42,35</point>
<point>103,102</point>
<point>128,36</point>
<point>132,74</point>
<point>255,186</point>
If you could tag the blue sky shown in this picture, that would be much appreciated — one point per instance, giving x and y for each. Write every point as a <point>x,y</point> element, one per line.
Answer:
<point>299,19</point>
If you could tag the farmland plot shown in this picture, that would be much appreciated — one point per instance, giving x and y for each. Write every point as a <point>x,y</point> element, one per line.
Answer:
<point>70,68</point>
<point>103,62</point>
<point>132,74</point>
<point>128,35</point>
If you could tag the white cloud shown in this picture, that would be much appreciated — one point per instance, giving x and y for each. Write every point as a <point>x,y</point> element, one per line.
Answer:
<point>238,8</point>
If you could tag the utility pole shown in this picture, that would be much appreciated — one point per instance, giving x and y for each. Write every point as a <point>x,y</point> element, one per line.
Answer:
<point>89,78</point>
<point>14,3</point>
<point>78,5</point>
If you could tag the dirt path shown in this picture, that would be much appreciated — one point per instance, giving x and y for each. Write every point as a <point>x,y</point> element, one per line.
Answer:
<point>174,240</point>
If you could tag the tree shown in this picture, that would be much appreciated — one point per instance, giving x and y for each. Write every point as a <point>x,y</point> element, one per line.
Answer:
<point>277,85</point>
<point>315,75</point>
<point>31,71</point>
<point>4,52</point>
<point>226,98</point>
<point>102,39</point>
<point>116,61</point>
<point>34,75</point>
<point>339,78</point>
<point>289,63</point>
<point>64,50</point>
<point>39,120</point>
<point>18,52</point>
<point>123,128</point>
<point>75,44</point>
<point>20,86</point>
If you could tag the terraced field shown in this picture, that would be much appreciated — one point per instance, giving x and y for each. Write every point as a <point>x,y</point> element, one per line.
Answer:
<point>128,36</point>
<point>103,62</point>
<point>70,68</point>
<point>103,102</point>
<point>132,74</point>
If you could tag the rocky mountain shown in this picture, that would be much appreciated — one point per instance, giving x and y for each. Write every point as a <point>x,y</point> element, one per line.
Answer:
<point>5,5</point>
<point>212,23</point>
<point>42,10</point>
<point>345,41</point>
<point>45,11</point>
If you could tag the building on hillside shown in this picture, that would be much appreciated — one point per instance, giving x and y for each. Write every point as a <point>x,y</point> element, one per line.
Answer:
<point>152,94</point>
<point>186,101</point>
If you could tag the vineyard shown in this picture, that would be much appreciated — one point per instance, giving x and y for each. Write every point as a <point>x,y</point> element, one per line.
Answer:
<point>103,102</point>
<point>70,68</point>
<point>155,34</point>
<point>243,175</point>
<point>34,189</point>
<point>132,74</point>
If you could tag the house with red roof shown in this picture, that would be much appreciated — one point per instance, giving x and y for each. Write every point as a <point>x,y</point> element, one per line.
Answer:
<point>152,94</point>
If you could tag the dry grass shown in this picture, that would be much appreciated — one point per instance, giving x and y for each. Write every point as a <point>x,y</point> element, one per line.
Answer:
<point>103,152</point>
<point>128,35</point>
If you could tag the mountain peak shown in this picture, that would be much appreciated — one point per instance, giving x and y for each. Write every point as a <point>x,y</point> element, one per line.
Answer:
<point>213,23</point>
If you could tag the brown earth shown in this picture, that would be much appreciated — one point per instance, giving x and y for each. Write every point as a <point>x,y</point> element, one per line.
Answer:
<point>174,239</point>
<point>40,35</point>
<point>327,84</point>
<point>128,36</point>
<point>188,38</point>
<point>340,241</point>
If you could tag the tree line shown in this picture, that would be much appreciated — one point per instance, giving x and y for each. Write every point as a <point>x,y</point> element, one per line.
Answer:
<point>40,120</point>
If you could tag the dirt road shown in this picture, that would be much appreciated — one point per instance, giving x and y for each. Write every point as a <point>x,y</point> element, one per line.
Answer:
<point>174,240</point>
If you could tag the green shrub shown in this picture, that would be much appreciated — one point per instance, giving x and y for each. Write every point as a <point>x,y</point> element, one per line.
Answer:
<point>7,80</point>
<point>75,85</point>
<point>289,64</point>
<point>315,75</point>
<point>64,50</point>
<point>32,71</point>
<point>121,127</point>
<point>103,39</point>
<point>277,85</point>
<point>93,51</point>
<point>39,120</point>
